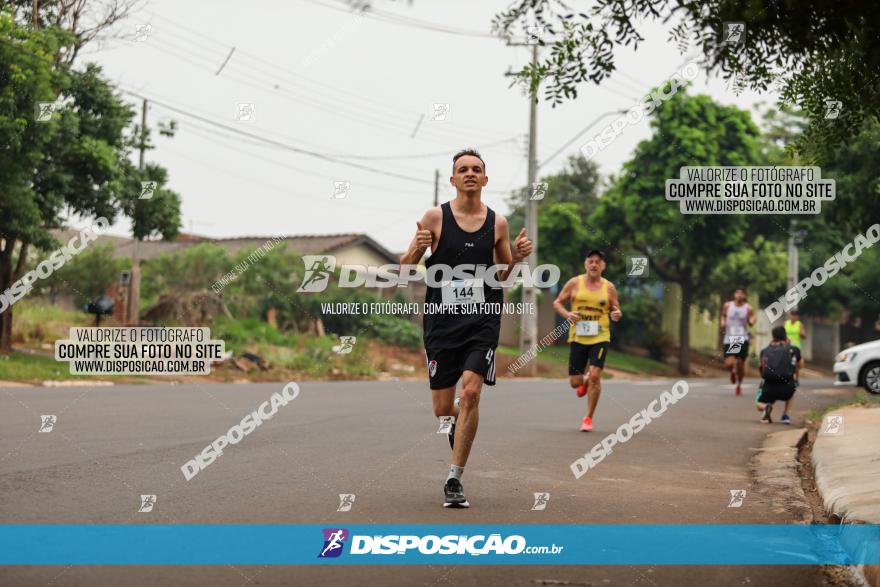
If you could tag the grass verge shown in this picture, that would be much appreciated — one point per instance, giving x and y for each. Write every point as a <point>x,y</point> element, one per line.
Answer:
<point>616,360</point>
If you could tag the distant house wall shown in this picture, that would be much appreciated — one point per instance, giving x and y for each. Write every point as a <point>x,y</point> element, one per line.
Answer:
<point>512,323</point>
<point>703,325</point>
<point>821,344</point>
<point>358,254</point>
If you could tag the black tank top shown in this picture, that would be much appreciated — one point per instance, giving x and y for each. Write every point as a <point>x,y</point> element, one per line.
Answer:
<point>457,247</point>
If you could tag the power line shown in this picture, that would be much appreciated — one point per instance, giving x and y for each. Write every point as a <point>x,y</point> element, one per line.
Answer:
<point>426,155</point>
<point>322,104</point>
<point>279,144</point>
<point>392,18</point>
<point>579,135</point>
<point>335,94</point>
<point>286,146</point>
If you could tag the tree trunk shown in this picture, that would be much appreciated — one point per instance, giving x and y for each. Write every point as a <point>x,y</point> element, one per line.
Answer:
<point>8,275</point>
<point>5,282</point>
<point>684,330</point>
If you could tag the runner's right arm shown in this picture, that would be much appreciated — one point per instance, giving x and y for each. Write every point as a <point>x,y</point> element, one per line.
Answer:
<point>562,298</point>
<point>427,230</point>
<point>723,323</point>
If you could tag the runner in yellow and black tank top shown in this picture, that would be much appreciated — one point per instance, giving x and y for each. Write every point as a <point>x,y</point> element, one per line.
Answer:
<point>594,304</point>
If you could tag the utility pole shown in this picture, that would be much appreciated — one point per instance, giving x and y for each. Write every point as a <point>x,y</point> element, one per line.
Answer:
<point>529,330</point>
<point>795,237</point>
<point>436,187</point>
<point>792,254</point>
<point>134,296</point>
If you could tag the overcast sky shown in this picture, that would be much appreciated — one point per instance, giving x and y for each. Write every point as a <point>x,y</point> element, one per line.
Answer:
<point>354,88</point>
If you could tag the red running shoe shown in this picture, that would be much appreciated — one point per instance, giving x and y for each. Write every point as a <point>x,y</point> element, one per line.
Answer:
<point>581,390</point>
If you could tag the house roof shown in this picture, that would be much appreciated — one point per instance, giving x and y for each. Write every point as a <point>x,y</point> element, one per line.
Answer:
<point>306,244</point>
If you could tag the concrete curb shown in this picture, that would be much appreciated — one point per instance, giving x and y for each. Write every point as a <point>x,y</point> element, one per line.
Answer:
<point>847,471</point>
<point>76,383</point>
<point>775,467</point>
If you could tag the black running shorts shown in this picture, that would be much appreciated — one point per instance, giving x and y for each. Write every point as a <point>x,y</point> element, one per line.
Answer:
<point>743,352</point>
<point>445,366</point>
<point>769,392</point>
<point>581,354</point>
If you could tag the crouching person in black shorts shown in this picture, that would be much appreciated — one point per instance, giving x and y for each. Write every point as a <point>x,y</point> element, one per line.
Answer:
<point>780,362</point>
<point>461,343</point>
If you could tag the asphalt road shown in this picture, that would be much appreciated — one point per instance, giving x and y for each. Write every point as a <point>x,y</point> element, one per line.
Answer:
<point>378,440</point>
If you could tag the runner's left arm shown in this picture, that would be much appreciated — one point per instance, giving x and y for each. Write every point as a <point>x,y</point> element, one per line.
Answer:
<point>504,253</point>
<point>751,316</point>
<point>614,302</point>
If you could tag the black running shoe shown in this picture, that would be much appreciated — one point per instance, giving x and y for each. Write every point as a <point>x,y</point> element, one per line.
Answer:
<point>766,417</point>
<point>455,494</point>
<point>451,435</point>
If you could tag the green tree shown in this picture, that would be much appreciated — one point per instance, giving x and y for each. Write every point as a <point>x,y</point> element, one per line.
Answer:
<point>855,167</point>
<point>563,226</point>
<point>634,215</point>
<point>88,275</point>
<point>263,279</point>
<point>819,52</point>
<point>571,196</point>
<point>77,162</point>
<point>578,183</point>
<point>191,269</point>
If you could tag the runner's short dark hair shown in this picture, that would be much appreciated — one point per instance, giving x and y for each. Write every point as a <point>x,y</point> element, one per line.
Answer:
<point>472,153</point>
<point>744,290</point>
<point>779,333</point>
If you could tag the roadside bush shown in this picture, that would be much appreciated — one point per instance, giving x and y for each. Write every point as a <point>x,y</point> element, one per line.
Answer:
<point>85,277</point>
<point>642,322</point>
<point>240,333</point>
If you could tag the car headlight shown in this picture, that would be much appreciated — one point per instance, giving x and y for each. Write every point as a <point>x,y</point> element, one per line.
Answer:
<point>846,356</point>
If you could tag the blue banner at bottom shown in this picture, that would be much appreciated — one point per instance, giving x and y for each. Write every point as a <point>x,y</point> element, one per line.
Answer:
<point>423,544</point>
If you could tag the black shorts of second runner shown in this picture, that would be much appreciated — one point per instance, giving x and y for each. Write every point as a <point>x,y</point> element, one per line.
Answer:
<point>742,354</point>
<point>445,366</point>
<point>769,392</point>
<point>581,354</point>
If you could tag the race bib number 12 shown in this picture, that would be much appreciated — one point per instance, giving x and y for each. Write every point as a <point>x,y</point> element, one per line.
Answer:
<point>587,328</point>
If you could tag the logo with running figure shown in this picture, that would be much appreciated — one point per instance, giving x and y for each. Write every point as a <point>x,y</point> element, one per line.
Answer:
<point>147,503</point>
<point>446,423</point>
<point>148,188</point>
<point>734,32</point>
<point>346,500</point>
<point>341,189</point>
<point>737,497</point>
<point>319,268</point>
<point>46,111</point>
<point>541,500</point>
<point>736,344</point>
<point>539,190</point>
<point>47,423</point>
<point>638,267</point>
<point>346,345</point>
<point>334,541</point>
<point>833,425</point>
<point>832,109</point>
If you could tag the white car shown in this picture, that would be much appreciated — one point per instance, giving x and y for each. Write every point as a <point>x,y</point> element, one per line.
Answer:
<point>859,365</point>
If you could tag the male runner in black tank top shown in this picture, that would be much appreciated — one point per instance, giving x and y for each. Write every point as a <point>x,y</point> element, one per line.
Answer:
<point>459,344</point>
